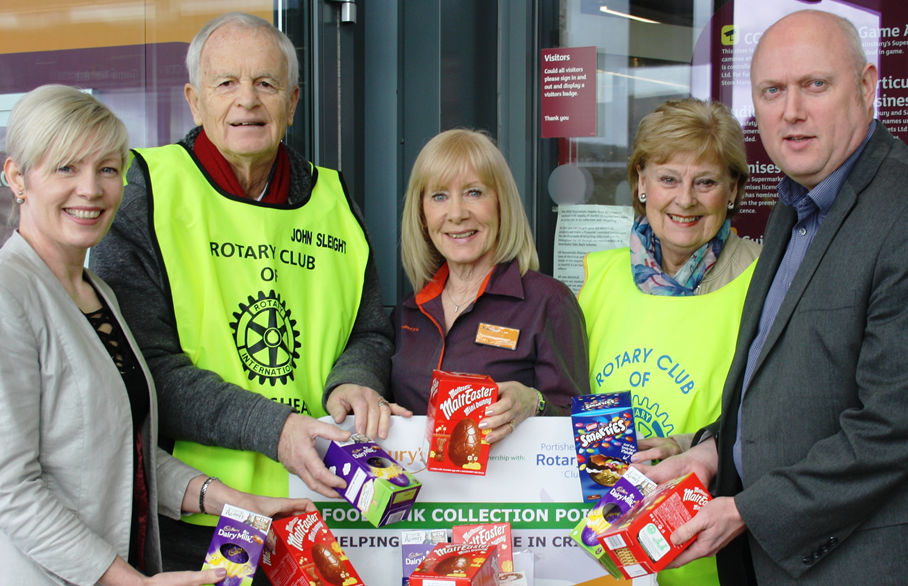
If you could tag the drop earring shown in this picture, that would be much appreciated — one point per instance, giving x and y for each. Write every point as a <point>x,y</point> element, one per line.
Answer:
<point>731,205</point>
<point>19,199</point>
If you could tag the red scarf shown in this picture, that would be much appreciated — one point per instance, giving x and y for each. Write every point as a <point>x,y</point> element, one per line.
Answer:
<point>278,190</point>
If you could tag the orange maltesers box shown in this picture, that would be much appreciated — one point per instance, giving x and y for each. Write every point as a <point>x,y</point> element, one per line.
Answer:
<point>639,541</point>
<point>497,534</point>
<point>457,403</point>
<point>302,551</point>
<point>457,564</point>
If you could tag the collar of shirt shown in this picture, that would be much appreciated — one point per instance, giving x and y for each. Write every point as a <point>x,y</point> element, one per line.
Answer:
<point>504,279</point>
<point>823,195</point>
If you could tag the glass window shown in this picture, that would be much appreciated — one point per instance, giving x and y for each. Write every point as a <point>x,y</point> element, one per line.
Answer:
<point>128,53</point>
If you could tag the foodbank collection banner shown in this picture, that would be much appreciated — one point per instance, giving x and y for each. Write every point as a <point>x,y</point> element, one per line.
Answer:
<point>532,483</point>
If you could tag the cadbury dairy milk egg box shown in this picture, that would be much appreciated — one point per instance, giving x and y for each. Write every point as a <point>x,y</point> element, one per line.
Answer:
<point>639,540</point>
<point>627,492</point>
<point>377,485</point>
<point>457,403</point>
<point>604,438</point>
<point>457,564</point>
<point>237,545</point>
<point>415,545</point>
<point>302,551</point>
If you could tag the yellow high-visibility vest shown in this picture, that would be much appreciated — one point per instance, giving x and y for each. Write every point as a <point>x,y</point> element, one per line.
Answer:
<point>265,296</point>
<point>672,353</point>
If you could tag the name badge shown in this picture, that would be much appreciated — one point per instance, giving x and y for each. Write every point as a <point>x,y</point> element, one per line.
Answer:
<point>498,336</point>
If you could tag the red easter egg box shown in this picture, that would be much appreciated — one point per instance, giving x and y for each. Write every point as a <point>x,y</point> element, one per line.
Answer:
<point>302,550</point>
<point>457,403</point>
<point>457,564</point>
<point>497,534</point>
<point>639,541</point>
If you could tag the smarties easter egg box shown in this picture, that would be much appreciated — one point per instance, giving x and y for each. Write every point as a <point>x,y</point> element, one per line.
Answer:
<point>377,485</point>
<point>604,438</point>
<point>638,541</point>
<point>302,551</point>
<point>237,545</point>
<point>457,564</point>
<point>457,403</point>
<point>622,497</point>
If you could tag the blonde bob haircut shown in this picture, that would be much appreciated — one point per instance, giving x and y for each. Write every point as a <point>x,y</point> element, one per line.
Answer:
<point>55,125</point>
<point>445,156</point>
<point>706,129</point>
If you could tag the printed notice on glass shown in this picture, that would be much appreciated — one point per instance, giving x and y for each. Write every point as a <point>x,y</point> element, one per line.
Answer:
<point>738,25</point>
<point>587,228</point>
<point>568,101</point>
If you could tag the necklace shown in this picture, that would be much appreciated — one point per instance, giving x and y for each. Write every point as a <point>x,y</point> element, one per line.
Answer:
<point>456,304</point>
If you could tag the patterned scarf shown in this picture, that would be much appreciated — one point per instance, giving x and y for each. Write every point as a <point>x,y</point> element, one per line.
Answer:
<point>646,261</point>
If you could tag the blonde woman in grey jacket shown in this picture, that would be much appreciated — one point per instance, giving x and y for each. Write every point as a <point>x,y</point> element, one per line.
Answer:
<point>81,477</point>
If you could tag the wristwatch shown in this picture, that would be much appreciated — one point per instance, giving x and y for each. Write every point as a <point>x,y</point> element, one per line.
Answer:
<point>540,405</point>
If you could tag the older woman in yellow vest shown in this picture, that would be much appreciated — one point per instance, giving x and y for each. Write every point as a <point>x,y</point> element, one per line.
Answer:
<point>662,315</point>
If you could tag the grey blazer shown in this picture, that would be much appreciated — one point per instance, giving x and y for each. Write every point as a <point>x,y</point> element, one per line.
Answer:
<point>825,418</point>
<point>66,452</point>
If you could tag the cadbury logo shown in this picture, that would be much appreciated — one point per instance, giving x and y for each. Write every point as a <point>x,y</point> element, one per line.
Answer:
<point>612,428</point>
<point>462,396</point>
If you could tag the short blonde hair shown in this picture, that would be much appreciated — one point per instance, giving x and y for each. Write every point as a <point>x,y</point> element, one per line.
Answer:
<point>706,129</point>
<point>440,160</point>
<point>54,125</point>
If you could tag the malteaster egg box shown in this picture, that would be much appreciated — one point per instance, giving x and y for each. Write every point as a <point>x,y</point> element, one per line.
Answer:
<point>457,564</point>
<point>604,438</point>
<point>302,550</point>
<point>497,534</point>
<point>457,403</point>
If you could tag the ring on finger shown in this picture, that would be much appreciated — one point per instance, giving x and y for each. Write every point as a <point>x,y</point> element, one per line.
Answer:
<point>511,423</point>
<point>383,403</point>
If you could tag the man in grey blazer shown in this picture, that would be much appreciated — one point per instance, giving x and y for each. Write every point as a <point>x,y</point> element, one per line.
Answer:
<point>809,460</point>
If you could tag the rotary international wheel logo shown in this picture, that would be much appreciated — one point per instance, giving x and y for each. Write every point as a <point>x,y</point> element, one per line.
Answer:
<point>650,419</point>
<point>266,338</point>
